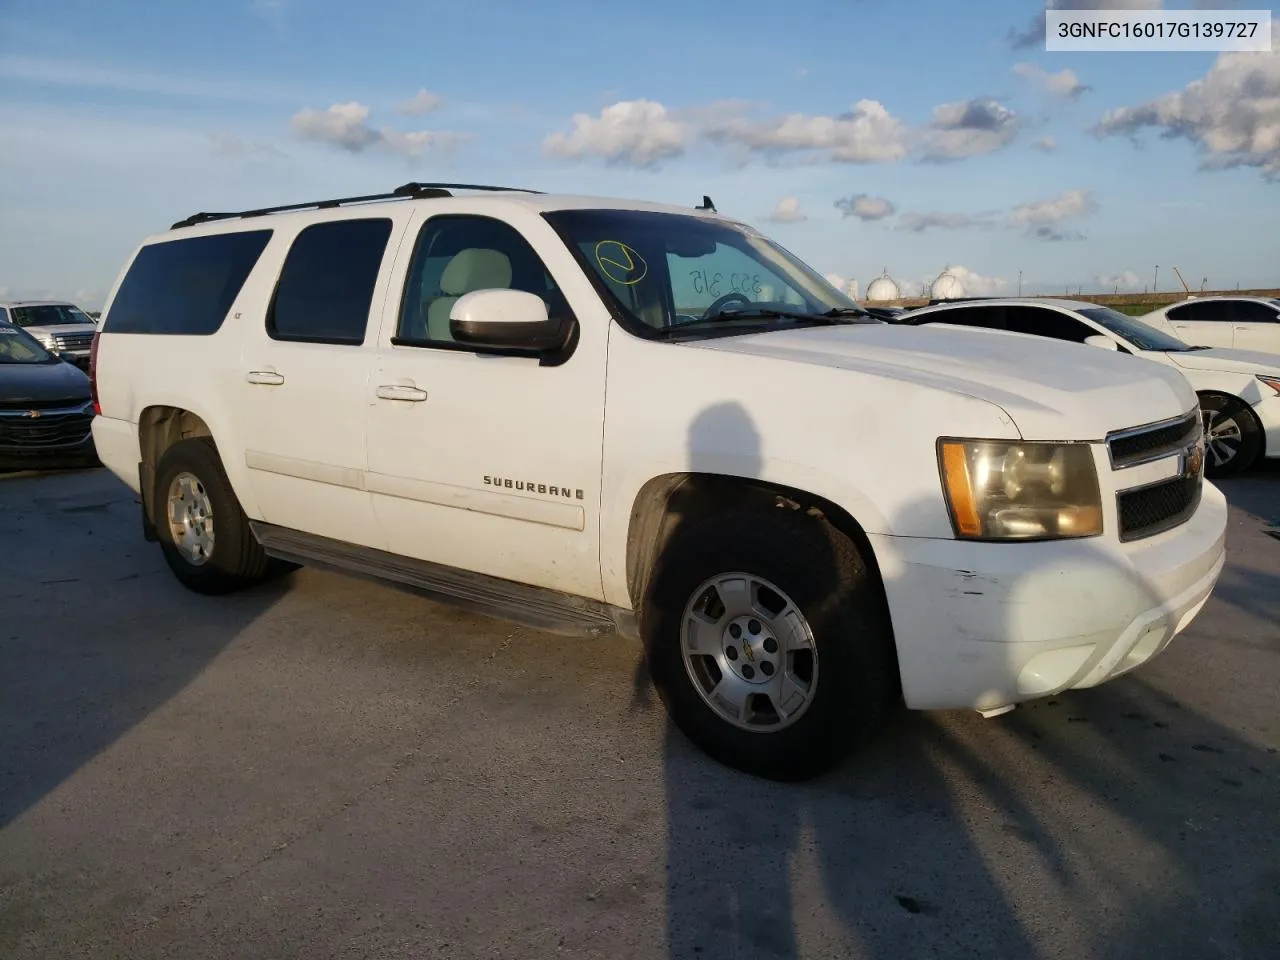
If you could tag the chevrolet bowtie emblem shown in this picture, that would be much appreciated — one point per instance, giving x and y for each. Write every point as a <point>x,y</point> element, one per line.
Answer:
<point>33,413</point>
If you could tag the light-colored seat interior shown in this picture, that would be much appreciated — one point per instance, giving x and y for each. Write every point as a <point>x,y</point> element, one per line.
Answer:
<point>474,268</point>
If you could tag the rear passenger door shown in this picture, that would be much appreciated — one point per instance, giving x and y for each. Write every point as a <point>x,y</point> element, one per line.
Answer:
<point>1256,327</point>
<point>304,374</point>
<point>1203,323</point>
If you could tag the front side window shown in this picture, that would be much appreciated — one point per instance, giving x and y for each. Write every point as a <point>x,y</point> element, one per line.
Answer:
<point>1250,311</point>
<point>456,255</point>
<point>326,286</point>
<point>186,286</point>
<point>675,275</point>
<point>18,346</point>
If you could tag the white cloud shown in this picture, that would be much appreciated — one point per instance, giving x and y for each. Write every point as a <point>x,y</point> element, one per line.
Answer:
<point>868,133</point>
<point>638,133</point>
<point>787,211</point>
<point>346,125</point>
<point>865,207</point>
<point>969,128</point>
<point>975,284</point>
<point>422,102</point>
<point>1119,281</point>
<point>1045,145</point>
<point>1033,34</point>
<point>1232,113</point>
<point>1064,83</point>
<point>915,222</point>
<point>1042,218</point>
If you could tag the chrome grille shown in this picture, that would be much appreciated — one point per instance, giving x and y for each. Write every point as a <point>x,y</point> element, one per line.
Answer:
<point>1128,448</point>
<point>73,341</point>
<point>1152,508</point>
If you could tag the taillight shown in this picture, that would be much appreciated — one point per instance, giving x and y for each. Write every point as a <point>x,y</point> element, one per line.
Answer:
<point>93,375</point>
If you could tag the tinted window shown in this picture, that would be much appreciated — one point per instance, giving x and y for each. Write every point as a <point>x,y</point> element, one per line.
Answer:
<point>458,255</point>
<point>1205,311</point>
<point>326,284</point>
<point>1185,313</point>
<point>4,315</point>
<point>1250,311</point>
<point>1133,331</point>
<point>184,286</point>
<point>990,318</point>
<point>18,346</point>
<point>1046,323</point>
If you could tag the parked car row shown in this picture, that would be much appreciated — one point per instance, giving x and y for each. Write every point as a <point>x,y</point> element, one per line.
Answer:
<point>61,327</point>
<point>1238,389</point>
<point>591,415</point>
<point>46,412</point>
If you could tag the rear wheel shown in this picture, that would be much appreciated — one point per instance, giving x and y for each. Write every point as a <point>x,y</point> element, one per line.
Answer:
<point>203,532</point>
<point>767,639</point>
<point>1233,436</point>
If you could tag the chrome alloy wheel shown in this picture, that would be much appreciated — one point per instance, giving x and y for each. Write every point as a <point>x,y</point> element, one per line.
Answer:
<point>749,652</point>
<point>190,518</point>
<point>1223,436</point>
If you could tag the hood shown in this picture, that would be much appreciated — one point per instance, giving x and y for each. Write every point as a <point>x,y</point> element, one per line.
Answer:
<point>1226,360</point>
<point>1052,390</point>
<point>40,329</point>
<point>42,381</point>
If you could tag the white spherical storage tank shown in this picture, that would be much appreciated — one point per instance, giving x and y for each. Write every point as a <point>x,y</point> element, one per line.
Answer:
<point>883,288</point>
<point>947,287</point>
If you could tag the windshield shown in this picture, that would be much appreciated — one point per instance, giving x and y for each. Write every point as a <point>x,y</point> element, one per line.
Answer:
<point>18,346</point>
<point>670,274</point>
<point>1133,330</point>
<point>48,314</point>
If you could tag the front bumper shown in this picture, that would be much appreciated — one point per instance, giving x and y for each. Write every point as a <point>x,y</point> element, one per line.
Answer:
<point>49,437</point>
<point>984,626</point>
<point>1268,411</point>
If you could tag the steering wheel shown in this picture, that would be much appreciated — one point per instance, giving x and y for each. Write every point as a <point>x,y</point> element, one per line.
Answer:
<point>719,303</point>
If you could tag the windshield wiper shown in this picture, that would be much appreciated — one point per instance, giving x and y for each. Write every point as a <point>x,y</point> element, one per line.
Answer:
<point>838,315</point>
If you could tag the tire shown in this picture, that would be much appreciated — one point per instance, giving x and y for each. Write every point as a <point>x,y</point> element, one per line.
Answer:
<point>851,669</point>
<point>234,559</point>
<point>1239,435</point>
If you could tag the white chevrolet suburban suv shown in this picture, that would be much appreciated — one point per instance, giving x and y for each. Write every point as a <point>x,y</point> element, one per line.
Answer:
<point>593,415</point>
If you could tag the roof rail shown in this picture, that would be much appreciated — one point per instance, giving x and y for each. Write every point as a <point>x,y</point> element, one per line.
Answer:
<point>933,302</point>
<point>407,191</point>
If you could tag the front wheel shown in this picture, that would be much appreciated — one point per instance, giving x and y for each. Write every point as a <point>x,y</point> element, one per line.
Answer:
<point>768,642</point>
<point>203,532</point>
<point>1233,437</point>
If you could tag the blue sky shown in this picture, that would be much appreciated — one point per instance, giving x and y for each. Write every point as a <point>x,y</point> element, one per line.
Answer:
<point>863,134</point>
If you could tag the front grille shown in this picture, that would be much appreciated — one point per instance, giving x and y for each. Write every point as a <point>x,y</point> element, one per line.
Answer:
<point>1153,441</point>
<point>66,403</point>
<point>49,430</point>
<point>73,341</point>
<point>1146,511</point>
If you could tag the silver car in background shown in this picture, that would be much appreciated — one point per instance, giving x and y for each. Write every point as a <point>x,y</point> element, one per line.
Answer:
<point>60,326</point>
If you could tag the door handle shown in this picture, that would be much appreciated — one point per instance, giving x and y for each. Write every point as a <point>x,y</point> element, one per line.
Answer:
<point>398,391</point>
<point>269,377</point>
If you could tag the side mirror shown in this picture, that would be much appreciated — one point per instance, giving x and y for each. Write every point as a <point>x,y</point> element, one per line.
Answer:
<point>508,320</point>
<point>1103,343</point>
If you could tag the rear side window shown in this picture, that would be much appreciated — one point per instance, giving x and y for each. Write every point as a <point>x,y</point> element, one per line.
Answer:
<point>1041,322</point>
<point>326,285</point>
<point>184,286</point>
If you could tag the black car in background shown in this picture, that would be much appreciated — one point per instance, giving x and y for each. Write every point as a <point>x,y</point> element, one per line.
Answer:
<point>46,411</point>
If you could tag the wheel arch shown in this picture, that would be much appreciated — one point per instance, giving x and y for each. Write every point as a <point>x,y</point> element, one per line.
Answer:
<point>663,502</point>
<point>1249,412</point>
<point>160,426</point>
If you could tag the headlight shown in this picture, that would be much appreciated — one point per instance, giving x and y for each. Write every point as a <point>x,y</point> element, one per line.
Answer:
<point>1272,382</point>
<point>1006,490</point>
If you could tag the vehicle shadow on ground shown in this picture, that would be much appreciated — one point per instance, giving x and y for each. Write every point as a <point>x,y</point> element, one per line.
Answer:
<point>81,662</point>
<point>1101,823</point>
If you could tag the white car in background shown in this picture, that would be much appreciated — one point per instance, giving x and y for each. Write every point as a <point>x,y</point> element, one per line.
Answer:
<point>60,326</point>
<point>1239,390</point>
<point>1241,323</point>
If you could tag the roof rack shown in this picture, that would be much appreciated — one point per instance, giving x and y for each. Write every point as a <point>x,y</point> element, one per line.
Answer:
<point>407,191</point>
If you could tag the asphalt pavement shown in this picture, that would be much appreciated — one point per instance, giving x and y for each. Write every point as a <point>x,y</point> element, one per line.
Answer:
<point>324,767</point>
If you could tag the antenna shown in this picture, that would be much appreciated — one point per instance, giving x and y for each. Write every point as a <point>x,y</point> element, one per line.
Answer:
<point>707,204</point>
